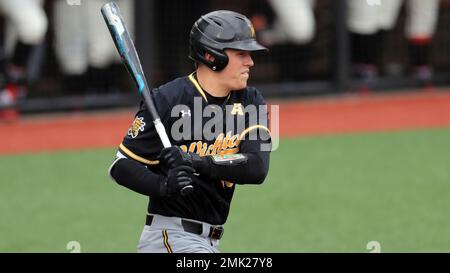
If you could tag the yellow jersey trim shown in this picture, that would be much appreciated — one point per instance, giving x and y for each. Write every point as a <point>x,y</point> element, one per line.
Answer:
<point>197,86</point>
<point>166,241</point>
<point>251,128</point>
<point>136,157</point>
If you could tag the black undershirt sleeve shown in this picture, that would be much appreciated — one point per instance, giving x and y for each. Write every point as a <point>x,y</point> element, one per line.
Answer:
<point>254,171</point>
<point>136,177</point>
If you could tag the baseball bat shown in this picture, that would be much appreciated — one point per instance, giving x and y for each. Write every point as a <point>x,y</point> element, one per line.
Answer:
<point>127,51</point>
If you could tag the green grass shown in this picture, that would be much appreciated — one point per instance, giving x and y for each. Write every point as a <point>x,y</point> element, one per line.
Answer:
<point>48,200</point>
<point>323,194</point>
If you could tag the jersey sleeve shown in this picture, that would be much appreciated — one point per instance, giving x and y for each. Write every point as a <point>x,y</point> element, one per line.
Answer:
<point>141,141</point>
<point>256,137</point>
<point>255,145</point>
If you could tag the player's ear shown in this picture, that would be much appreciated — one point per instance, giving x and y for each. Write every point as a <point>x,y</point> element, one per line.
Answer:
<point>209,57</point>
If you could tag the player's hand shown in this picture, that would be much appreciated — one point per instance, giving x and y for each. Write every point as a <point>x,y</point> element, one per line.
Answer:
<point>173,156</point>
<point>200,164</point>
<point>177,179</point>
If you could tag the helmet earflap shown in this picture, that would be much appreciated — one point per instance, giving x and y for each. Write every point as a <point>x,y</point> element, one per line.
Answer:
<point>220,58</point>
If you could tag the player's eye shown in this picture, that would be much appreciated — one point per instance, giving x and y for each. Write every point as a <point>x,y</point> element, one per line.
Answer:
<point>243,54</point>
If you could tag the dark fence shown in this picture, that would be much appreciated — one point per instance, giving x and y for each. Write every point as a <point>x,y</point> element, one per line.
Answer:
<point>320,65</point>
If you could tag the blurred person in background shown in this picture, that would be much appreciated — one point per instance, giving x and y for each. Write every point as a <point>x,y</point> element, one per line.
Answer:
<point>25,28</point>
<point>294,22</point>
<point>84,48</point>
<point>287,27</point>
<point>367,21</point>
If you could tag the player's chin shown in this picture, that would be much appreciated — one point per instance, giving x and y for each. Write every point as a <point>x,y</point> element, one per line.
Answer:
<point>241,83</point>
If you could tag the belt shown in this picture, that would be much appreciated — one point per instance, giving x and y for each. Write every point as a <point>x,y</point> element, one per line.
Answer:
<point>215,232</point>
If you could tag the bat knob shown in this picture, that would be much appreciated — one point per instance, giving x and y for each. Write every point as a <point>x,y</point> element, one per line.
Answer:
<point>187,190</point>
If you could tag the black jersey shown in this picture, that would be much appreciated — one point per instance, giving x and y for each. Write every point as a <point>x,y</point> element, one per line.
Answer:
<point>186,110</point>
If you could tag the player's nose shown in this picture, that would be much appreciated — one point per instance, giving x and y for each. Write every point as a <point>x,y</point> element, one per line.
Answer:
<point>249,61</point>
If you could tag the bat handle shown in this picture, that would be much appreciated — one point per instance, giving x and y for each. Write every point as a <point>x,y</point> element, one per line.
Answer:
<point>162,133</point>
<point>166,143</point>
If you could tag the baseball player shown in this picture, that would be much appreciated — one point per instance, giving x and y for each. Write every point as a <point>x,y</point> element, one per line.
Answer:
<point>294,22</point>
<point>25,28</point>
<point>82,43</point>
<point>209,152</point>
<point>368,19</point>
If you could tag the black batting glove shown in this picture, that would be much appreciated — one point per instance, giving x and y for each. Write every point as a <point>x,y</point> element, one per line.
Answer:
<point>173,156</point>
<point>177,182</point>
<point>202,165</point>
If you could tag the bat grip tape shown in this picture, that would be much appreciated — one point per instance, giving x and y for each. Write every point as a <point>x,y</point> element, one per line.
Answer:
<point>162,133</point>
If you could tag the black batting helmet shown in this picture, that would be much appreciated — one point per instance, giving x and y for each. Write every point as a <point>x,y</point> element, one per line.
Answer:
<point>218,30</point>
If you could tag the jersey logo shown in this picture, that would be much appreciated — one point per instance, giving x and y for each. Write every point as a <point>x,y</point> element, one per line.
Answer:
<point>252,30</point>
<point>136,127</point>
<point>185,113</point>
<point>237,109</point>
<point>224,144</point>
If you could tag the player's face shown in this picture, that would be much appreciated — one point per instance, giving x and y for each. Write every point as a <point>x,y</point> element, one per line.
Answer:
<point>237,72</point>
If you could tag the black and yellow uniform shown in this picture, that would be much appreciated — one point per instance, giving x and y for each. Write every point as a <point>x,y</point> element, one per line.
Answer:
<point>214,187</point>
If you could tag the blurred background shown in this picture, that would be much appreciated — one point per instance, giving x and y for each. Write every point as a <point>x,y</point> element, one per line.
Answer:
<point>58,56</point>
<point>341,71</point>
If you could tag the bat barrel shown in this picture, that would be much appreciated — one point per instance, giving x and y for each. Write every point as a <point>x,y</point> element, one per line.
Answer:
<point>122,40</point>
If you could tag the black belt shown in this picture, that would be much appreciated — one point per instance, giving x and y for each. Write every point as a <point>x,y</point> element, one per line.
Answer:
<point>193,227</point>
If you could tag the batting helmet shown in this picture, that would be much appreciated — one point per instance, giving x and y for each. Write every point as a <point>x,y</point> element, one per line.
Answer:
<point>218,30</point>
